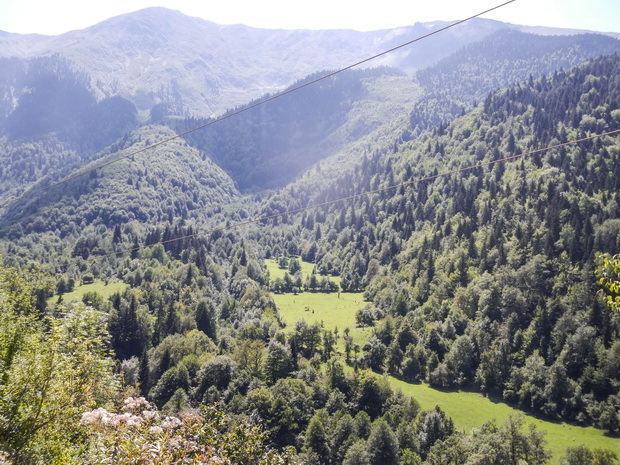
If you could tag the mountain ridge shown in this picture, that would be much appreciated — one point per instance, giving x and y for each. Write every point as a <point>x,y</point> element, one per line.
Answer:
<point>474,278</point>
<point>156,56</point>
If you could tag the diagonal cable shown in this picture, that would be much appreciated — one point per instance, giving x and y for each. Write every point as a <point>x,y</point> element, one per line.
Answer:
<point>375,191</point>
<point>249,107</point>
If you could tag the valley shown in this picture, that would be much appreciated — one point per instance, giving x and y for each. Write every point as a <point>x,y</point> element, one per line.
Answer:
<point>468,409</point>
<point>383,267</point>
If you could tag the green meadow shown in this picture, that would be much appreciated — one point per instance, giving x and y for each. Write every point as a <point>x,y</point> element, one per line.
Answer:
<point>333,310</point>
<point>470,410</point>
<point>105,290</point>
<point>306,270</point>
<point>467,409</point>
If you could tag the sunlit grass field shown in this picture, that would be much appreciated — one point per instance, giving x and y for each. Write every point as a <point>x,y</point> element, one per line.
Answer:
<point>470,410</point>
<point>105,290</point>
<point>306,270</point>
<point>333,310</point>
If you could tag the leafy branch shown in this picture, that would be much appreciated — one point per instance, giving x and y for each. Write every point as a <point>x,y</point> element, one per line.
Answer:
<point>609,278</point>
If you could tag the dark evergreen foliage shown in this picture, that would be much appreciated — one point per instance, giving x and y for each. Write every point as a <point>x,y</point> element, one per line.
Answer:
<point>491,269</point>
<point>482,278</point>
<point>267,146</point>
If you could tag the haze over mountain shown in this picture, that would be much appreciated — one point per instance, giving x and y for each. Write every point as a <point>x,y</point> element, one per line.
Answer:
<point>87,88</point>
<point>198,68</point>
<point>478,279</point>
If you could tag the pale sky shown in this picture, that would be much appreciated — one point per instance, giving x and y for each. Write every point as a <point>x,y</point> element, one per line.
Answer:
<point>58,16</point>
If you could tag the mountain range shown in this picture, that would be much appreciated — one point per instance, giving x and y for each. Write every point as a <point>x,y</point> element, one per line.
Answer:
<point>198,68</point>
<point>88,88</point>
<point>169,162</point>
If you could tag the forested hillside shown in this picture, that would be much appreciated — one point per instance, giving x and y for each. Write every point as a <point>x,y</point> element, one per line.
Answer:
<point>171,181</point>
<point>51,122</point>
<point>267,146</point>
<point>481,279</point>
<point>504,58</point>
<point>487,275</point>
<point>144,275</point>
<point>48,96</point>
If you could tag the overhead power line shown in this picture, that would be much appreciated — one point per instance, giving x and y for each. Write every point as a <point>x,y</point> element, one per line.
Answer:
<point>374,191</point>
<point>249,107</point>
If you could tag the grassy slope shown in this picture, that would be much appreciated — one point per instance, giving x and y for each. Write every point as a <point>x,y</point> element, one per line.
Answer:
<point>306,270</point>
<point>98,286</point>
<point>334,310</point>
<point>471,409</point>
<point>467,409</point>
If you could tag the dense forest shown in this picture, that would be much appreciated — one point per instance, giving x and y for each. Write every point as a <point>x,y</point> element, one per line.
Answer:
<point>270,145</point>
<point>501,60</point>
<point>477,273</point>
<point>488,274</point>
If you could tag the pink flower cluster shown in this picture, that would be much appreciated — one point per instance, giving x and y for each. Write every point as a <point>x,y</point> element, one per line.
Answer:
<point>148,436</point>
<point>101,417</point>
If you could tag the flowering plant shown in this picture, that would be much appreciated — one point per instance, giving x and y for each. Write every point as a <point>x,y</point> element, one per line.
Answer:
<point>138,434</point>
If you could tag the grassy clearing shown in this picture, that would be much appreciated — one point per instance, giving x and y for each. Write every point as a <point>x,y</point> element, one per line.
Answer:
<point>105,290</point>
<point>467,409</point>
<point>333,310</point>
<point>306,270</point>
<point>276,272</point>
<point>470,410</point>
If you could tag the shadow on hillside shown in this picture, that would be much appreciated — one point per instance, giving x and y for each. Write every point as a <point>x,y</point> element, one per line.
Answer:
<point>496,398</point>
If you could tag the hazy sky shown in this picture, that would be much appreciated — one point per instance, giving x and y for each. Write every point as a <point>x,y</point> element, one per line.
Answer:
<point>57,16</point>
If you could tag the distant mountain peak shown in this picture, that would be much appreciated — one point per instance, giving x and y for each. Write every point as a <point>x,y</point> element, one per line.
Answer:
<point>157,56</point>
